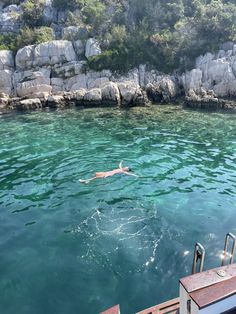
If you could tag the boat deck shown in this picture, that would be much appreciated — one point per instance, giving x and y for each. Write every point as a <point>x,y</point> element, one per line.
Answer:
<point>169,307</point>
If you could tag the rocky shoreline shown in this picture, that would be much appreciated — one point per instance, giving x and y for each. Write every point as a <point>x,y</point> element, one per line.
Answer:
<point>55,75</point>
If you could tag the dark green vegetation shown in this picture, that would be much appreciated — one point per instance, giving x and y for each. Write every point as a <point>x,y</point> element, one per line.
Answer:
<point>166,34</point>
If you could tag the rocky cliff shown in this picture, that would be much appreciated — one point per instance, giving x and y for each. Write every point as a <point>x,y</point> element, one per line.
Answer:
<point>56,72</point>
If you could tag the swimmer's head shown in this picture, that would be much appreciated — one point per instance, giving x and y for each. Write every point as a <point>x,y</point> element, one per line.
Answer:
<point>127,169</point>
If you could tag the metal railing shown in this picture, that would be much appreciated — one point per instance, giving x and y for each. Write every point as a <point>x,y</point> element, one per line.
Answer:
<point>226,254</point>
<point>198,258</point>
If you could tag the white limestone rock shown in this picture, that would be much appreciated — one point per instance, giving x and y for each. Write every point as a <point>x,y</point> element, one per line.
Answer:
<point>110,94</point>
<point>234,67</point>
<point>79,95</point>
<point>49,12</point>
<point>29,104</point>
<point>97,83</point>
<point>55,101</point>
<point>93,97</point>
<point>92,48</point>
<point>142,74</point>
<point>130,93</point>
<point>79,47</point>
<point>30,82</point>
<point>217,70</point>
<point>10,19</point>
<point>201,61</point>
<point>77,82</point>
<point>234,50</point>
<point>54,52</point>
<point>69,69</point>
<point>6,60</point>
<point>6,82</point>
<point>57,84</point>
<point>24,57</point>
<point>192,80</point>
<point>227,86</point>
<point>45,54</point>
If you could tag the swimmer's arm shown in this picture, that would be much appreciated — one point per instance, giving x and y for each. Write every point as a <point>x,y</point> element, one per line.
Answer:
<point>88,180</point>
<point>130,174</point>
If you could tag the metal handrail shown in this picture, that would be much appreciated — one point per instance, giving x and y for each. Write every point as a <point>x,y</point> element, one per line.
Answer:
<point>225,253</point>
<point>199,255</point>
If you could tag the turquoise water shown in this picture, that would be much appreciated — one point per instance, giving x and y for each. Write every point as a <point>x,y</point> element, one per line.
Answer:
<point>73,248</point>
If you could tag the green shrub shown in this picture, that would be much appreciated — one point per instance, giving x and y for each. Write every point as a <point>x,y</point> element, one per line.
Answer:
<point>8,42</point>
<point>33,12</point>
<point>34,36</point>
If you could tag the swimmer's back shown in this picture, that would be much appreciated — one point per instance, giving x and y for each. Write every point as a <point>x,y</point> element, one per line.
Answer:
<point>107,174</point>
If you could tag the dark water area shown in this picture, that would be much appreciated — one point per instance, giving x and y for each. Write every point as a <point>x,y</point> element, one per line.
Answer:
<point>73,248</point>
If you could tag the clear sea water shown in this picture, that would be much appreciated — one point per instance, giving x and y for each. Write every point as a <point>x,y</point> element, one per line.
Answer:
<point>71,248</point>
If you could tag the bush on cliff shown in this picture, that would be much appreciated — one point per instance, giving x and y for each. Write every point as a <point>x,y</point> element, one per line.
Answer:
<point>33,12</point>
<point>7,42</point>
<point>34,36</point>
<point>167,34</point>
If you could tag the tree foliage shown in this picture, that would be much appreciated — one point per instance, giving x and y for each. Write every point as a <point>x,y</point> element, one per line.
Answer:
<point>167,34</point>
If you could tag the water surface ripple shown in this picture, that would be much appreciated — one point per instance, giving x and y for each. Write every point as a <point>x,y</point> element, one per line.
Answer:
<point>73,248</point>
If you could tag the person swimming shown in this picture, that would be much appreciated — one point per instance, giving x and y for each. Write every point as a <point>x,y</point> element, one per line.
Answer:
<point>103,175</point>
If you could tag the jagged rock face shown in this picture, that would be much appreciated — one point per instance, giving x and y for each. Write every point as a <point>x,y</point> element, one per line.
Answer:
<point>6,60</point>
<point>111,94</point>
<point>49,13</point>
<point>163,89</point>
<point>130,94</point>
<point>92,48</point>
<point>28,83</point>
<point>214,72</point>
<point>29,104</point>
<point>93,97</point>
<point>79,47</point>
<point>49,53</point>
<point>10,19</point>
<point>6,84</point>
<point>192,80</point>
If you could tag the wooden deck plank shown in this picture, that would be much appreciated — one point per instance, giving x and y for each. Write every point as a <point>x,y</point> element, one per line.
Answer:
<point>169,307</point>
<point>208,278</point>
<point>219,291</point>
<point>113,310</point>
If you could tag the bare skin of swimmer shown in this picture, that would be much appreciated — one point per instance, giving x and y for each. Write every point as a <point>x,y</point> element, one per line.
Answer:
<point>103,175</point>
